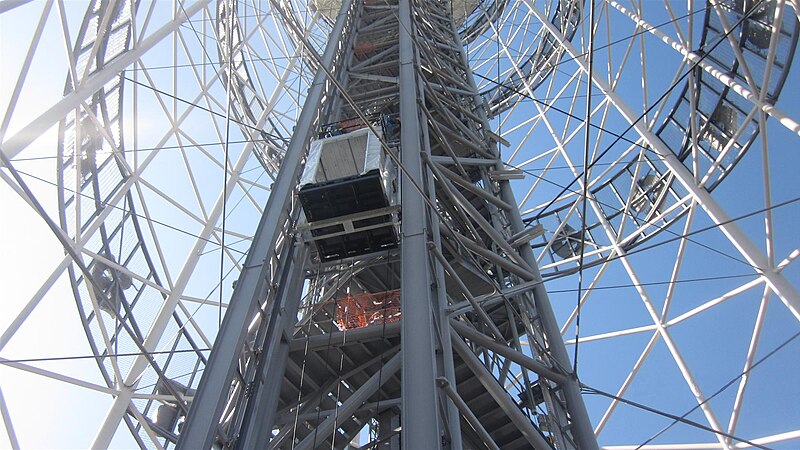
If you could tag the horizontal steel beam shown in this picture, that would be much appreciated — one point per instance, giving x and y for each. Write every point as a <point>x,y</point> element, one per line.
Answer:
<point>349,337</point>
<point>383,404</point>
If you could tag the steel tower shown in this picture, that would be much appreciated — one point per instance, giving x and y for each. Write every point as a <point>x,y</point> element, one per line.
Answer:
<point>322,224</point>
<point>395,253</point>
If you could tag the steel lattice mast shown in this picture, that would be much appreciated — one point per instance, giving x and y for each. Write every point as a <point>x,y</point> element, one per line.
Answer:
<point>398,72</point>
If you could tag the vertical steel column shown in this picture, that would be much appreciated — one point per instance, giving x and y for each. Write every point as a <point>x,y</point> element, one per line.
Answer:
<point>451,432</point>
<point>202,421</point>
<point>420,421</point>
<point>260,414</point>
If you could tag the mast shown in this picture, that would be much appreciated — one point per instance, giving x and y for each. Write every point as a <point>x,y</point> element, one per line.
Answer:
<point>390,286</point>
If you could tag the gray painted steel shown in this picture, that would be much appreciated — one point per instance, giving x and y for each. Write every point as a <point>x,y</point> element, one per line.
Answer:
<point>420,420</point>
<point>356,340</point>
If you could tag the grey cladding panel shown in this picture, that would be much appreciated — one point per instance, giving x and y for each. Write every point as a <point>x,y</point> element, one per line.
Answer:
<point>342,158</point>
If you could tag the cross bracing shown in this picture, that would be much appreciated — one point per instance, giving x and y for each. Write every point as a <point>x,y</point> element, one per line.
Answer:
<point>147,245</point>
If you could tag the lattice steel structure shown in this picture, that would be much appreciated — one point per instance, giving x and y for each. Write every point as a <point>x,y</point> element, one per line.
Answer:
<point>335,215</point>
<point>399,70</point>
